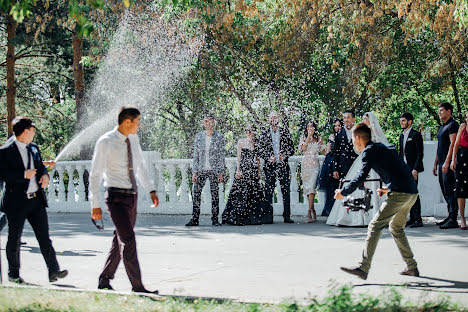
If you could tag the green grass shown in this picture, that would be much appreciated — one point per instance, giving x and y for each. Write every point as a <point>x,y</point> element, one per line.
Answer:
<point>339,299</point>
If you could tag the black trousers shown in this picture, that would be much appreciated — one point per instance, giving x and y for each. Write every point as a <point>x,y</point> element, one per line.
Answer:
<point>415,212</point>
<point>34,211</point>
<point>212,176</point>
<point>447,185</point>
<point>329,190</point>
<point>283,174</point>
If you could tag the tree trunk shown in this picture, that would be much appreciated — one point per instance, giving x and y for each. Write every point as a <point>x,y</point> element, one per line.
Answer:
<point>10,69</point>
<point>78,75</point>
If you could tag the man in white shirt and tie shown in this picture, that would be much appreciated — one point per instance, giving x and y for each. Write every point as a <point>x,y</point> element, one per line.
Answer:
<point>23,197</point>
<point>118,159</point>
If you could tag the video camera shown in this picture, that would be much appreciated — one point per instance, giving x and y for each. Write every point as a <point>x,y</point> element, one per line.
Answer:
<point>360,203</point>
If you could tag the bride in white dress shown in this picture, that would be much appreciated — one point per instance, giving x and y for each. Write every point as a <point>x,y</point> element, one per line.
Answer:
<point>339,215</point>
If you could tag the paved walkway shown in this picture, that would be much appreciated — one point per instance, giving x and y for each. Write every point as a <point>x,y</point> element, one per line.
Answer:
<point>270,263</point>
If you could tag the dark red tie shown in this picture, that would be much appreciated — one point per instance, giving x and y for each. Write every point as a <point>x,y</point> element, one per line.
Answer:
<point>131,174</point>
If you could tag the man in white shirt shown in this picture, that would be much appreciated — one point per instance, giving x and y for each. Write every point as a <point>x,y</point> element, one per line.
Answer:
<point>118,159</point>
<point>23,198</point>
<point>208,164</point>
<point>343,151</point>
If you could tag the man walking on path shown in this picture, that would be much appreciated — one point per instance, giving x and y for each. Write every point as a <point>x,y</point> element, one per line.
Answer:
<point>119,159</point>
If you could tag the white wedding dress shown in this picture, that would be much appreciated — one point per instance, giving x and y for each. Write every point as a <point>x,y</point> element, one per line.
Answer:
<point>339,215</point>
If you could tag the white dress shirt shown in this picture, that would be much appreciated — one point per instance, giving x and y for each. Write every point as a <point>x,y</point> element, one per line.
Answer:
<point>349,134</point>
<point>110,161</point>
<point>405,139</point>
<point>207,165</point>
<point>25,155</point>
<point>275,137</point>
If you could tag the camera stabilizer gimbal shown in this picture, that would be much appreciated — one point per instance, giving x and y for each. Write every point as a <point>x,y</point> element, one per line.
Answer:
<point>360,203</point>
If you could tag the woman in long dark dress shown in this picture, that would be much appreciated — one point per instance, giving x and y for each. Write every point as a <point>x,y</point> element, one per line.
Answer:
<point>246,203</point>
<point>327,183</point>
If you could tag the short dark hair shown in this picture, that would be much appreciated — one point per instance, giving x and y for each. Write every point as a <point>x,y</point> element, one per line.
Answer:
<point>208,116</point>
<point>407,116</point>
<point>22,123</point>
<point>363,131</point>
<point>447,106</point>
<point>350,111</point>
<point>128,113</point>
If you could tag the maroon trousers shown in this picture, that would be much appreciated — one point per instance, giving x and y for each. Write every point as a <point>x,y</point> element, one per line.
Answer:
<point>123,211</point>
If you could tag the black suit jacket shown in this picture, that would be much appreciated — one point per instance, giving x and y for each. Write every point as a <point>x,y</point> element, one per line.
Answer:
<point>265,148</point>
<point>12,173</point>
<point>389,166</point>
<point>343,153</point>
<point>413,150</point>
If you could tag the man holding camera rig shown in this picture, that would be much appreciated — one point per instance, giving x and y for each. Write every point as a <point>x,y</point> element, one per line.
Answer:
<point>402,194</point>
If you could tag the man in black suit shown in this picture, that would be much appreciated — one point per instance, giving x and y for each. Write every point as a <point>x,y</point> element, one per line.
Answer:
<point>412,152</point>
<point>402,193</point>
<point>23,197</point>
<point>343,151</point>
<point>275,147</point>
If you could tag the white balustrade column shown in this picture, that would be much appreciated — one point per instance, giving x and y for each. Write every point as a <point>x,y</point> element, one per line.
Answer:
<point>81,186</point>
<point>161,184</point>
<point>51,188</point>
<point>184,196</point>
<point>294,185</point>
<point>61,186</point>
<point>279,195</point>
<point>71,185</point>
<point>172,184</point>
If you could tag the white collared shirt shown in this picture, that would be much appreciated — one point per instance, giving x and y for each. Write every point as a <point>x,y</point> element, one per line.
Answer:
<point>275,137</point>
<point>25,155</point>
<point>110,161</point>
<point>207,165</point>
<point>405,139</point>
<point>349,134</point>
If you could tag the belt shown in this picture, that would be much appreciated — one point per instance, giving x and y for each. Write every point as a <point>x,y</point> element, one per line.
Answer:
<point>32,195</point>
<point>121,190</point>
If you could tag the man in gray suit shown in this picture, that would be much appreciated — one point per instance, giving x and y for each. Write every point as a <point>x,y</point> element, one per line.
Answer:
<point>208,163</point>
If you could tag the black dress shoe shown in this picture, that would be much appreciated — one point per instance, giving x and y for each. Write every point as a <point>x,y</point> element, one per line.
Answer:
<point>288,221</point>
<point>192,222</point>
<point>54,276</point>
<point>443,221</point>
<point>17,280</point>
<point>450,224</point>
<point>22,243</point>
<point>146,291</point>
<point>410,272</point>
<point>215,223</point>
<point>409,223</point>
<point>355,271</point>
<point>416,224</point>
<point>105,286</point>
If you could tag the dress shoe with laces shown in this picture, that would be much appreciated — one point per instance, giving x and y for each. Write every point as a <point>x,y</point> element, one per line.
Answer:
<point>17,280</point>
<point>355,271</point>
<point>443,221</point>
<point>288,220</point>
<point>450,224</point>
<point>416,224</point>
<point>410,272</point>
<point>192,222</point>
<point>54,276</point>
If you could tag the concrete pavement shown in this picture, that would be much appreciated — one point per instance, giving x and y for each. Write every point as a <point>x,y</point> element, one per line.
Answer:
<point>268,263</point>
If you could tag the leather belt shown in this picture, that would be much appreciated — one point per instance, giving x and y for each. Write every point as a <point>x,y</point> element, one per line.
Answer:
<point>31,195</point>
<point>121,190</point>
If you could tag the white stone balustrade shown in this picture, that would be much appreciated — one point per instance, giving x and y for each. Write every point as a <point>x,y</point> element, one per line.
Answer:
<point>173,178</point>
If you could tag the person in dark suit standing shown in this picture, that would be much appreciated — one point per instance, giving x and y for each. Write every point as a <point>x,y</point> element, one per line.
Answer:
<point>412,152</point>
<point>275,147</point>
<point>402,193</point>
<point>23,197</point>
<point>343,151</point>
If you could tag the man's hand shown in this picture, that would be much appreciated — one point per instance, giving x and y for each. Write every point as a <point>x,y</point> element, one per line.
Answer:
<point>194,177</point>
<point>44,181</point>
<point>49,163</point>
<point>272,159</point>
<point>336,175</point>
<point>338,195</point>
<point>220,178</point>
<point>382,191</point>
<point>434,170</point>
<point>154,199</point>
<point>281,157</point>
<point>29,174</point>
<point>445,167</point>
<point>96,214</point>
<point>415,174</point>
